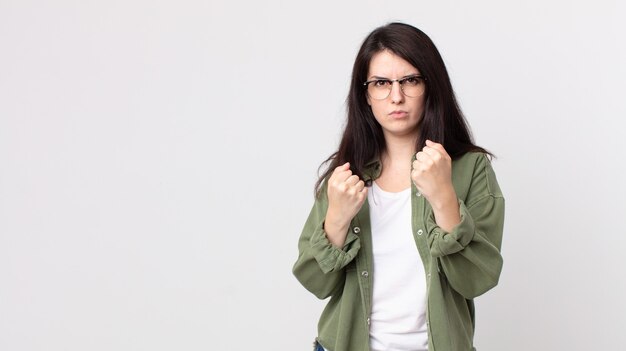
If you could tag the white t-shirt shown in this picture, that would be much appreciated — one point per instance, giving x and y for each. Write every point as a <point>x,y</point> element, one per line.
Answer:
<point>398,319</point>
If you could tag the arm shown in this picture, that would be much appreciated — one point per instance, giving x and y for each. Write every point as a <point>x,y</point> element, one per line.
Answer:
<point>326,245</point>
<point>320,266</point>
<point>469,254</point>
<point>431,173</point>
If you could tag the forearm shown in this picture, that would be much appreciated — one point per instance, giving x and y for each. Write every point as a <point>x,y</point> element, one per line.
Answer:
<point>336,228</point>
<point>319,282</point>
<point>320,265</point>
<point>446,209</point>
<point>469,255</point>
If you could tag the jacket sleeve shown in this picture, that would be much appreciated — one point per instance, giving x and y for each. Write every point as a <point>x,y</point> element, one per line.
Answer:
<point>320,266</point>
<point>469,255</point>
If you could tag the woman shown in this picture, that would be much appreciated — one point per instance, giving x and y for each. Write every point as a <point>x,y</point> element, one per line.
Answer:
<point>407,223</point>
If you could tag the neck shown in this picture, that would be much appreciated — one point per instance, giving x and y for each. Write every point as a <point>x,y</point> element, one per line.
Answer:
<point>399,149</point>
<point>396,160</point>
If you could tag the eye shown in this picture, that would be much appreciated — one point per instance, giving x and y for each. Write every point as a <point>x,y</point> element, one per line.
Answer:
<point>412,81</point>
<point>382,83</point>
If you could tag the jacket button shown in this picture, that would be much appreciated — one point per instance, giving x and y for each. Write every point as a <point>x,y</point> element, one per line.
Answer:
<point>368,321</point>
<point>365,274</point>
<point>356,230</point>
<point>420,232</point>
<point>418,194</point>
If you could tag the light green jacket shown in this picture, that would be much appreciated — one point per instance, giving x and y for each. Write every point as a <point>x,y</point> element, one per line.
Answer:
<point>459,265</point>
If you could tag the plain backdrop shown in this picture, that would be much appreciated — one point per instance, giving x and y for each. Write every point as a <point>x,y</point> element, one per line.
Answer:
<point>157,162</point>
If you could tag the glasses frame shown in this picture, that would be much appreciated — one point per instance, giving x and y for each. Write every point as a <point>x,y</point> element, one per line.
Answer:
<point>400,81</point>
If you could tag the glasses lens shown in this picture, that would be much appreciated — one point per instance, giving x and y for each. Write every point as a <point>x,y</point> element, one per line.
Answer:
<point>413,86</point>
<point>379,89</point>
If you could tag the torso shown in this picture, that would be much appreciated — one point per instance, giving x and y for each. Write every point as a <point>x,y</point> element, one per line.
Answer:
<point>398,315</point>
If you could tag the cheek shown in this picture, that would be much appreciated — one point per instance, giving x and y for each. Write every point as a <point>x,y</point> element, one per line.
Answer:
<point>377,111</point>
<point>419,106</point>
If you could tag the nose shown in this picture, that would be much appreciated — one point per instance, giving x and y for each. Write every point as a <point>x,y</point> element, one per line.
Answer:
<point>396,93</point>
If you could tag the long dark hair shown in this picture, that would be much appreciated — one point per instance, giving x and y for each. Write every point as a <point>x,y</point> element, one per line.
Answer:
<point>442,122</point>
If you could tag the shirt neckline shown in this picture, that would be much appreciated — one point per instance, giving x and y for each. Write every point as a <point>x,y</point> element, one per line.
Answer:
<point>389,194</point>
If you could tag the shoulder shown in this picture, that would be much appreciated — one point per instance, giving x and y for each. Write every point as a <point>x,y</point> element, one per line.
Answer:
<point>474,178</point>
<point>470,158</point>
<point>468,164</point>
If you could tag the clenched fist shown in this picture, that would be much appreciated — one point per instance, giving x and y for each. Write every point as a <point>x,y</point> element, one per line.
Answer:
<point>346,195</point>
<point>432,175</point>
<point>432,170</point>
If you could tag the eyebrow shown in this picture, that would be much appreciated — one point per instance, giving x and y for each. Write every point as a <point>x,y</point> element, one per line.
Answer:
<point>385,78</point>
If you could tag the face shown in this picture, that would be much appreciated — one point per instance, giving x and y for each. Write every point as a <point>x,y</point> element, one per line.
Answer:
<point>398,114</point>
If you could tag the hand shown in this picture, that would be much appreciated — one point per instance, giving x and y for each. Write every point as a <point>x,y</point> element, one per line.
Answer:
<point>432,175</point>
<point>346,195</point>
<point>432,171</point>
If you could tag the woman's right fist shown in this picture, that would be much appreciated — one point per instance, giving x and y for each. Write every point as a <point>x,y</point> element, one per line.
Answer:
<point>346,195</point>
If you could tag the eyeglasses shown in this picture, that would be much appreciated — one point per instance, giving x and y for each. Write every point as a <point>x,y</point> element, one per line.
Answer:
<point>411,86</point>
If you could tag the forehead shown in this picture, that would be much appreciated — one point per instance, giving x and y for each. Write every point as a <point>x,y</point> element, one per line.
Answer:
<point>389,65</point>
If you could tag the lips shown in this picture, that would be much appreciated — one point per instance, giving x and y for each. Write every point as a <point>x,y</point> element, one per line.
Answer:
<point>398,114</point>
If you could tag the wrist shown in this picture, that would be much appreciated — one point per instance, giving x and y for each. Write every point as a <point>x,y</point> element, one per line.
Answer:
<point>334,219</point>
<point>446,210</point>
<point>447,199</point>
<point>335,228</point>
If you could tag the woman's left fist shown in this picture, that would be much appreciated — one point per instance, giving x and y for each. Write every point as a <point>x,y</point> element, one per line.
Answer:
<point>432,170</point>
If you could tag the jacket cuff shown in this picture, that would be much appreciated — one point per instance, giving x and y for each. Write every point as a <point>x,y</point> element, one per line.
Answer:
<point>329,257</point>
<point>444,243</point>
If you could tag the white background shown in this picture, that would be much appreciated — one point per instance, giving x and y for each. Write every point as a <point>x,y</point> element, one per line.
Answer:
<point>157,162</point>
